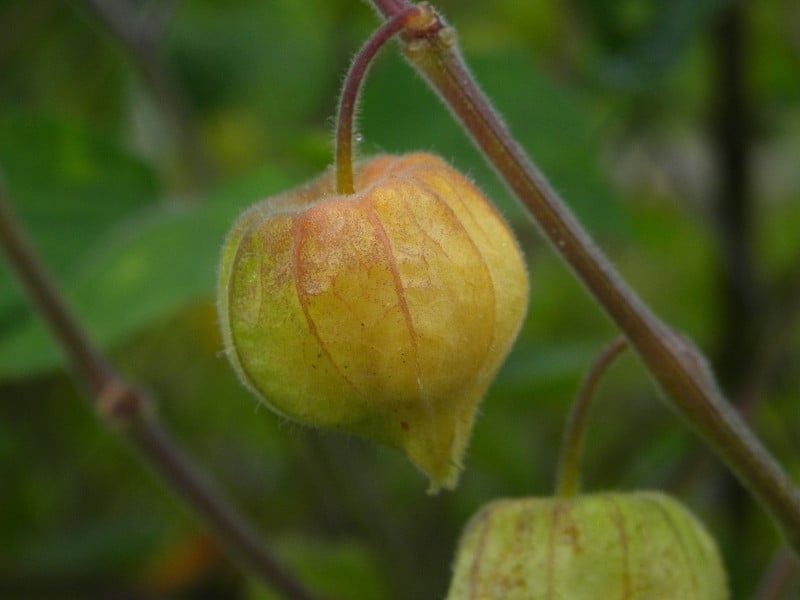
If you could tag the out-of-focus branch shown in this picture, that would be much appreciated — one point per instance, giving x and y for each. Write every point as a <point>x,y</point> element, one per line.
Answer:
<point>741,291</point>
<point>131,412</point>
<point>778,578</point>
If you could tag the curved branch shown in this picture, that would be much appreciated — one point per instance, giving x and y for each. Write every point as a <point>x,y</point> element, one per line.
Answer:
<point>568,473</point>
<point>131,412</point>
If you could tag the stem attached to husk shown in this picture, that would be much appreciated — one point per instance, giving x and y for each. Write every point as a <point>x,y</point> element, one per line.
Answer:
<point>568,474</point>
<point>351,90</point>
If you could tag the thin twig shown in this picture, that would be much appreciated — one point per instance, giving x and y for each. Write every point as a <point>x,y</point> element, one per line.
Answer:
<point>130,411</point>
<point>90,368</point>
<point>350,94</point>
<point>388,8</point>
<point>568,473</point>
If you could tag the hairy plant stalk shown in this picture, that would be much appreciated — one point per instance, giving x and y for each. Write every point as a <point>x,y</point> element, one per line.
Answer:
<point>674,362</point>
<point>568,474</point>
<point>350,93</point>
<point>780,575</point>
<point>130,411</point>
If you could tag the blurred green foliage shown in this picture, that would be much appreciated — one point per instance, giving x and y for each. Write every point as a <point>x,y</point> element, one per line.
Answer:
<point>613,100</point>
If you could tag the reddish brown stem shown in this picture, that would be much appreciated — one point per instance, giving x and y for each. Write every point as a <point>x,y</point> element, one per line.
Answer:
<point>568,480</point>
<point>676,365</point>
<point>89,366</point>
<point>350,93</point>
<point>130,411</point>
<point>389,8</point>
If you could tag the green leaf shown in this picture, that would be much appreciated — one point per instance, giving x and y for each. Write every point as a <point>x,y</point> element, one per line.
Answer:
<point>140,272</point>
<point>68,186</point>
<point>656,38</point>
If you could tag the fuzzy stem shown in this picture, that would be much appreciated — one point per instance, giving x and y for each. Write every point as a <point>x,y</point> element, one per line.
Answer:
<point>350,93</point>
<point>389,8</point>
<point>130,411</point>
<point>677,366</point>
<point>568,475</point>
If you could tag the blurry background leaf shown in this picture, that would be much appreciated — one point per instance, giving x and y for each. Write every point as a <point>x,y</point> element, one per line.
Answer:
<point>644,39</point>
<point>547,120</point>
<point>141,271</point>
<point>63,176</point>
